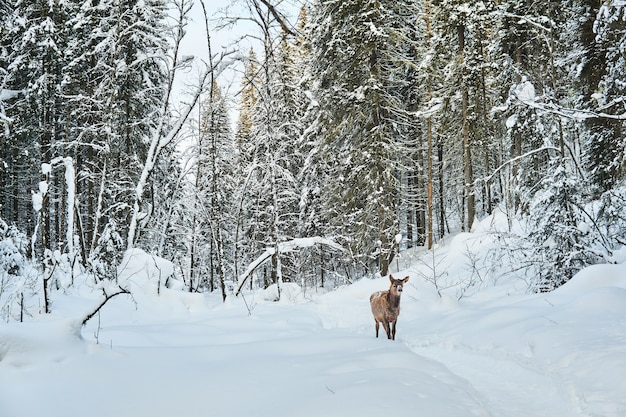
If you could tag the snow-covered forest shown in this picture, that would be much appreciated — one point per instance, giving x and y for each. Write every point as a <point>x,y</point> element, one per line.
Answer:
<point>478,147</point>
<point>379,126</point>
<point>375,126</point>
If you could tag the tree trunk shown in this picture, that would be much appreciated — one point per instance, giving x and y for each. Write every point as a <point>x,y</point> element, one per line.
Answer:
<point>429,140</point>
<point>442,205</point>
<point>467,154</point>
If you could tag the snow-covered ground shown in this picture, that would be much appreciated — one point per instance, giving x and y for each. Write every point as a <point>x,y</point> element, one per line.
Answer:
<point>497,351</point>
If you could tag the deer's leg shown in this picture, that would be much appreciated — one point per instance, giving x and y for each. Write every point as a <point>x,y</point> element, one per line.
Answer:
<point>386,326</point>
<point>393,330</point>
<point>377,325</point>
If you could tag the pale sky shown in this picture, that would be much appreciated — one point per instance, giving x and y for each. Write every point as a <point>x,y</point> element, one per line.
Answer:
<point>195,43</point>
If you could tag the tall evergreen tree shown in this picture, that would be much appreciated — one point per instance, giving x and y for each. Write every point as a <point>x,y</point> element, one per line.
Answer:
<point>356,53</point>
<point>215,190</point>
<point>249,97</point>
<point>37,40</point>
<point>604,36</point>
<point>136,90</point>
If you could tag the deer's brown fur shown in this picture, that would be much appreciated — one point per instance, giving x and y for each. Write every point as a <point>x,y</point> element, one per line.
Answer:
<point>386,306</point>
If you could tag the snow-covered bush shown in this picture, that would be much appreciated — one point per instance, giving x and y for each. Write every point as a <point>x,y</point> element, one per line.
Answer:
<point>610,214</point>
<point>17,282</point>
<point>107,254</point>
<point>559,236</point>
<point>13,244</point>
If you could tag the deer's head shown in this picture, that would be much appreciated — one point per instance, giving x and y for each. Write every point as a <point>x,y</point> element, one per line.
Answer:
<point>396,285</point>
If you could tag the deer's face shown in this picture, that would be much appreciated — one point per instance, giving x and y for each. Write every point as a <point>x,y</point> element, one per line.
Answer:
<point>397,284</point>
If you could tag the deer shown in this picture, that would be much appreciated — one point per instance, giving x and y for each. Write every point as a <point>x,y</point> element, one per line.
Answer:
<point>386,306</point>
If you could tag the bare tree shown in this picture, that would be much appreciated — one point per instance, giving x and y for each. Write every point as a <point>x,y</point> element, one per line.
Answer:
<point>167,131</point>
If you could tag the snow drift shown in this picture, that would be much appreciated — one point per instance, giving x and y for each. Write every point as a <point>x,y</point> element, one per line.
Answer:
<point>490,350</point>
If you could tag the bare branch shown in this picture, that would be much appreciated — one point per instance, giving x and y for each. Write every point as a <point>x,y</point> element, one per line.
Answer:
<point>282,21</point>
<point>107,297</point>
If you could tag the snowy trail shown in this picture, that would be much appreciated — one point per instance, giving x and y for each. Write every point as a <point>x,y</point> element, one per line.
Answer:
<point>279,361</point>
<point>507,388</point>
<point>556,355</point>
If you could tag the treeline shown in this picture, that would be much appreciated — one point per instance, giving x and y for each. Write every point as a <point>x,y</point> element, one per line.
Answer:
<point>380,124</point>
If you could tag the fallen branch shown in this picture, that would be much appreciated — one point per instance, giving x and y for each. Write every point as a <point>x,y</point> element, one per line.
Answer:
<point>107,297</point>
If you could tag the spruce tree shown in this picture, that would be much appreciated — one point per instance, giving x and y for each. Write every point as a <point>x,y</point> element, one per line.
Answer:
<point>215,190</point>
<point>603,74</point>
<point>356,53</point>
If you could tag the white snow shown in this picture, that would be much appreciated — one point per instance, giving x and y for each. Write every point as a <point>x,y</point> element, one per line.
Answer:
<point>6,94</point>
<point>37,201</point>
<point>46,168</point>
<point>142,273</point>
<point>525,91</point>
<point>511,121</point>
<point>495,351</point>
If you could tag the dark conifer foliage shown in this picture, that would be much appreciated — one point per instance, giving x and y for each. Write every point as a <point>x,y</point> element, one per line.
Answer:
<point>378,124</point>
<point>85,82</point>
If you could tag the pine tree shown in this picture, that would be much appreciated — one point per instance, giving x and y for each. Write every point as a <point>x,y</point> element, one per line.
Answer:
<point>136,92</point>
<point>561,245</point>
<point>603,74</point>
<point>37,41</point>
<point>249,97</point>
<point>531,57</point>
<point>356,50</point>
<point>88,122</point>
<point>215,194</point>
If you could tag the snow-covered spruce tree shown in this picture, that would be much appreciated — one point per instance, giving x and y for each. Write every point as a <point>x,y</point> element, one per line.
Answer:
<point>451,24</point>
<point>136,88</point>
<point>245,150</point>
<point>531,56</point>
<point>356,55</point>
<point>5,27</point>
<point>8,178</point>
<point>271,190</point>
<point>88,116</point>
<point>314,266</point>
<point>90,74</point>
<point>405,61</point>
<point>37,38</point>
<point>249,97</point>
<point>211,252</point>
<point>610,221</point>
<point>15,284</point>
<point>603,78</point>
<point>292,58</point>
<point>563,244</point>
<point>425,199</point>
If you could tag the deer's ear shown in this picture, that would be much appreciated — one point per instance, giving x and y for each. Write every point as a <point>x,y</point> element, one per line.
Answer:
<point>405,280</point>
<point>391,278</point>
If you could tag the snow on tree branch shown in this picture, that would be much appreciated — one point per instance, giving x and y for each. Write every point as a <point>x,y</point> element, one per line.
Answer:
<point>575,114</point>
<point>284,247</point>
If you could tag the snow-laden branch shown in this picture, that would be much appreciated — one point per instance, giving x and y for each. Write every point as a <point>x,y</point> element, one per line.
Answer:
<point>528,20</point>
<point>6,94</point>
<point>568,113</point>
<point>513,160</point>
<point>282,21</point>
<point>284,247</point>
<point>70,182</point>
<point>107,298</point>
